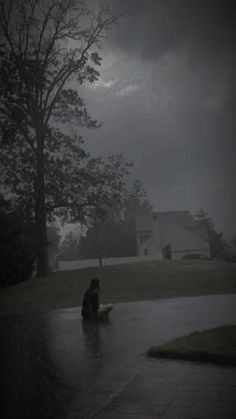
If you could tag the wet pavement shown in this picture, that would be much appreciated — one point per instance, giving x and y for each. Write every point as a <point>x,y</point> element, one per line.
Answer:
<point>53,365</point>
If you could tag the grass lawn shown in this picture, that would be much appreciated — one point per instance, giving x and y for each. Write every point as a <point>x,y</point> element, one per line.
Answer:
<point>212,345</point>
<point>121,283</point>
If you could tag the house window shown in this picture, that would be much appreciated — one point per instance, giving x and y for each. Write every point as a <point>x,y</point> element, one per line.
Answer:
<point>145,252</point>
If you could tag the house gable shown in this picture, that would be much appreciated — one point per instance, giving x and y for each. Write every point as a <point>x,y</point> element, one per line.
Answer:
<point>176,230</point>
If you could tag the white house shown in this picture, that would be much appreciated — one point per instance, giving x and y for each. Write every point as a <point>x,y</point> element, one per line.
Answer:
<point>170,235</point>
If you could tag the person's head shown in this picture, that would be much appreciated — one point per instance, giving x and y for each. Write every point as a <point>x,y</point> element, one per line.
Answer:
<point>94,284</point>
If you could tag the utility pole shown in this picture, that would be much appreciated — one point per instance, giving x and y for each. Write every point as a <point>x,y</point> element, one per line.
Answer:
<point>98,241</point>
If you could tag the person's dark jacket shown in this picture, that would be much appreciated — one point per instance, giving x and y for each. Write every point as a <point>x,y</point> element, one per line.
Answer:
<point>90,304</point>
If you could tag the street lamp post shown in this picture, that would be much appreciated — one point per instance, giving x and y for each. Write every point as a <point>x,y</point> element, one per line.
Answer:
<point>98,241</point>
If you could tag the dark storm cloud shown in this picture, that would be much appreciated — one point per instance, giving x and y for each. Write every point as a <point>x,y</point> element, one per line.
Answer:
<point>167,99</point>
<point>151,27</point>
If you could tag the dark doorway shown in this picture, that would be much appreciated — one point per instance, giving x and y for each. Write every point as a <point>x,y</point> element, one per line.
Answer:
<point>167,254</point>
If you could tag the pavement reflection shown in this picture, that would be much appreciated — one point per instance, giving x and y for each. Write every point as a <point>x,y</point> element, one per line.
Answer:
<point>51,358</point>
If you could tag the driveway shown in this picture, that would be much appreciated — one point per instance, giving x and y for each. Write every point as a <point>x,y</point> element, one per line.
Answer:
<point>55,366</point>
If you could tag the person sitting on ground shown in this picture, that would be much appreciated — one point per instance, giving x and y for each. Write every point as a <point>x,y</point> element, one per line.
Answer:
<point>91,310</point>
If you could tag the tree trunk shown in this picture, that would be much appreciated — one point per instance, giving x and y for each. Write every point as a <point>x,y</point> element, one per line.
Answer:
<point>40,211</point>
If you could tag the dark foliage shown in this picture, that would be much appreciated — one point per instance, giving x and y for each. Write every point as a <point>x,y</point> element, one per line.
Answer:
<point>117,231</point>
<point>218,245</point>
<point>17,254</point>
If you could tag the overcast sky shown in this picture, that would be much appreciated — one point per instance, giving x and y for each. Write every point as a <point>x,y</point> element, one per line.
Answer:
<point>167,100</point>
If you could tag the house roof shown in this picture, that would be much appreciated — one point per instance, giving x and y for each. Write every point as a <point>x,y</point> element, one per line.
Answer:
<point>184,219</point>
<point>180,238</point>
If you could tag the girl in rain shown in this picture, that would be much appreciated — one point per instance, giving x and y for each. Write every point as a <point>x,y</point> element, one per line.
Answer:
<point>91,309</point>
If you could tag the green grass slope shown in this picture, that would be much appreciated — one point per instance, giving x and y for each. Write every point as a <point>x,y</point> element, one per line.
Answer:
<point>213,345</point>
<point>121,283</point>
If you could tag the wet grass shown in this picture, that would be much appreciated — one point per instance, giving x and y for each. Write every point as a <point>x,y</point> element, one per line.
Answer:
<point>122,283</point>
<point>212,345</point>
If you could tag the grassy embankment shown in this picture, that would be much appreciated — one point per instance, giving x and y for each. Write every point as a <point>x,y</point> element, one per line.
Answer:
<point>212,345</point>
<point>122,283</point>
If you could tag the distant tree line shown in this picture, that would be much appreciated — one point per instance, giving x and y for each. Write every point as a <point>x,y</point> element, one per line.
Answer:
<point>219,247</point>
<point>117,233</point>
<point>69,248</point>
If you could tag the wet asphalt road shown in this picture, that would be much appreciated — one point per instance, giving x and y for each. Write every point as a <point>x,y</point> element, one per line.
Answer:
<point>48,359</point>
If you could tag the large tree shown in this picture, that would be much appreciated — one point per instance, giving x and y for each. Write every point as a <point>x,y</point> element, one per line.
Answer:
<point>16,247</point>
<point>48,49</point>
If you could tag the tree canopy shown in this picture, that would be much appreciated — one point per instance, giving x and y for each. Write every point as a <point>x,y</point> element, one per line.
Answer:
<point>48,50</point>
